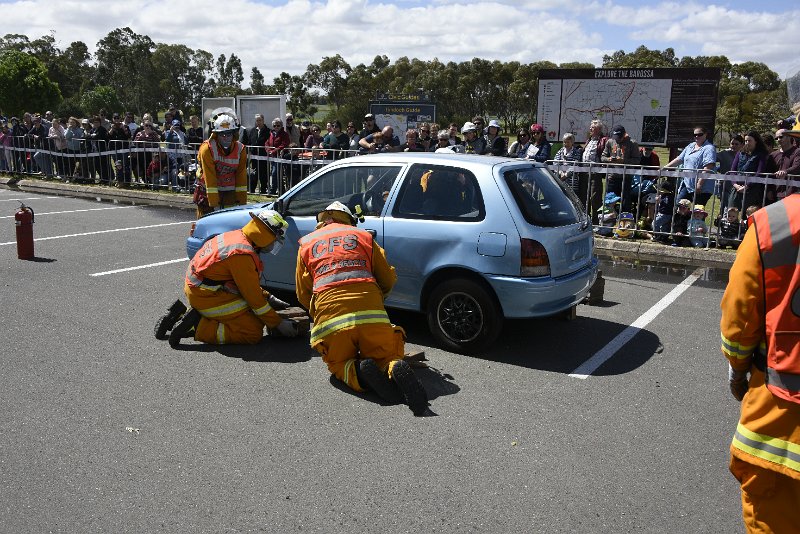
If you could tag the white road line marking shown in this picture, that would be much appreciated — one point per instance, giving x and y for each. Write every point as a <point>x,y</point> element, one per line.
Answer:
<point>126,269</point>
<point>73,211</point>
<point>102,232</point>
<point>589,366</point>
<point>19,199</point>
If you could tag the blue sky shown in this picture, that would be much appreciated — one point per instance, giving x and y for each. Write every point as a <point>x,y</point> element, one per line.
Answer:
<point>287,35</point>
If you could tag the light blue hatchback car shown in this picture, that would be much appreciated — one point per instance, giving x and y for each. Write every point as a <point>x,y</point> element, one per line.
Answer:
<point>474,239</point>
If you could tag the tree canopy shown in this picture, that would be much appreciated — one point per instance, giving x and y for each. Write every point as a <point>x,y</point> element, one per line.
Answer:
<point>135,73</point>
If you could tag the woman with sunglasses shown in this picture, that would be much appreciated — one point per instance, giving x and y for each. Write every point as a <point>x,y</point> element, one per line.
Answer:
<point>519,148</point>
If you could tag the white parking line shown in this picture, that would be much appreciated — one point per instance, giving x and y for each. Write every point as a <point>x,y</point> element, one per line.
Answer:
<point>102,232</point>
<point>126,269</point>
<point>19,199</point>
<point>603,355</point>
<point>73,211</point>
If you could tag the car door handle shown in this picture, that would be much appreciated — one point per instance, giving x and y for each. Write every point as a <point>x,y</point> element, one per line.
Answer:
<point>373,233</point>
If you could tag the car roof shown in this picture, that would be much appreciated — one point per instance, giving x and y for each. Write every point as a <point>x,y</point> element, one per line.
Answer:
<point>441,158</point>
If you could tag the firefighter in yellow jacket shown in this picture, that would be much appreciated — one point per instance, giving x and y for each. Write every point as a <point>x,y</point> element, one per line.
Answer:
<point>223,164</point>
<point>222,285</point>
<point>342,279</point>
<point>760,330</point>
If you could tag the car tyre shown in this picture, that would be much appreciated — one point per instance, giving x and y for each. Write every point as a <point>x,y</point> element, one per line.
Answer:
<point>463,316</point>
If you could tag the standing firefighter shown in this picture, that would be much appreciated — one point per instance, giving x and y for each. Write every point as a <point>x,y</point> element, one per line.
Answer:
<point>761,335</point>
<point>223,165</point>
<point>342,278</point>
<point>222,285</point>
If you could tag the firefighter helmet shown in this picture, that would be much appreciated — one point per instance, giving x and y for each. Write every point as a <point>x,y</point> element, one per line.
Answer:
<point>224,120</point>
<point>273,220</point>
<point>336,209</point>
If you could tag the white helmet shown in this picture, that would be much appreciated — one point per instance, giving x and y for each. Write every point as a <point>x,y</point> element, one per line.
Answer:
<point>224,120</point>
<point>338,206</point>
<point>273,220</point>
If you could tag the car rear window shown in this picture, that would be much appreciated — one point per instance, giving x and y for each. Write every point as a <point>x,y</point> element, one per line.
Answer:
<point>542,199</point>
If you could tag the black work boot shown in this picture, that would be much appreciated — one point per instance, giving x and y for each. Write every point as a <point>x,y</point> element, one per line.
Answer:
<point>168,320</point>
<point>185,328</point>
<point>373,379</point>
<point>415,396</point>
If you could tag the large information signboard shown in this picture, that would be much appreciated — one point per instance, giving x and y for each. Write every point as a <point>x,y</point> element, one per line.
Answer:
<point>657,107</point>
<point>402,112</point>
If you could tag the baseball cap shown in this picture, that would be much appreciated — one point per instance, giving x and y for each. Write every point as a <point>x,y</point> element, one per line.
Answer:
<point>176,122</point>
<point>369,116</point>
<point>618,130</point>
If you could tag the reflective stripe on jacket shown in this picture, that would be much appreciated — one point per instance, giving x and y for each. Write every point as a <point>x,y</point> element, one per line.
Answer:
<point>337,254</point>
<point>778,231</point>
<point>215,250</point>
<point>226,166</point>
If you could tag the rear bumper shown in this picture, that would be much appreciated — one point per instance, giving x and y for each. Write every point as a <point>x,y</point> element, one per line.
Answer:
<point>533,297</point>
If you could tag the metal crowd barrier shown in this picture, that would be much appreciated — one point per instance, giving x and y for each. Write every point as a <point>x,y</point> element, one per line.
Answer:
<point>158,164</point>
<point>635,183</point>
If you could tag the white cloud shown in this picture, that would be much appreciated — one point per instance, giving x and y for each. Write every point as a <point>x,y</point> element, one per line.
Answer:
<point>290,36</point>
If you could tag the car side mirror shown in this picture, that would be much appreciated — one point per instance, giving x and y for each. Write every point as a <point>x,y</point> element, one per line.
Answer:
<point>278,206</point>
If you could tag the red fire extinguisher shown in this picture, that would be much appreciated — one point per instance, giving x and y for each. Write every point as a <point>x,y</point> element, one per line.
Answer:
<point>23,218</point>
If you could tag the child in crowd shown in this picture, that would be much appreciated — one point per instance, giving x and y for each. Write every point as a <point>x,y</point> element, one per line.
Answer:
<point>607,215</point>
<point>665,206</point>
<point>731,229</point>
<point>680,223</point>
<point>697,229</point>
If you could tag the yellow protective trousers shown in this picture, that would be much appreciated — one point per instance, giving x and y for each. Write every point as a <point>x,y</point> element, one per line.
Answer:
<point>769,499</point>
<point>226,318</point>
<point>342,349</point>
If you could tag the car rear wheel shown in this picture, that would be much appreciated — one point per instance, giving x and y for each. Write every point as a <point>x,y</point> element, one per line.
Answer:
<point>463,316</point>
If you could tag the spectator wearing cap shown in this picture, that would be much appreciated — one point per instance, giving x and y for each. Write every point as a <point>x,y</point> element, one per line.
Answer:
<point>337,140</point>
<point>293,130</point>
<point>442,141</point>
<point>472,143</point>
<point>539,149</point>
<point>697,229</point>
<point>369,126</point>
<point>680,223</point>
<point>621,150</point>
<point>784,162</point>
<point>495,145</point>
<point>305,131</point>
<point>700,154</point>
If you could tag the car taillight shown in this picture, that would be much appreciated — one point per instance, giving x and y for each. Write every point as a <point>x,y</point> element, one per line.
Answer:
<point>534,260</point>
<point>191,230</point>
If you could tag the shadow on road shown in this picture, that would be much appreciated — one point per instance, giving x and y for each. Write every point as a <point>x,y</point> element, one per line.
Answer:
<point>550,344</point>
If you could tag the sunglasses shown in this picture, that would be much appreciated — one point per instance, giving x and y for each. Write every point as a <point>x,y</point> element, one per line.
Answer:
<point>699,134</point>
<point>779,137</point>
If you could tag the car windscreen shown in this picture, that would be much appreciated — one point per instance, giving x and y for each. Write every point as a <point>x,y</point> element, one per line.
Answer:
<point>543,199</point>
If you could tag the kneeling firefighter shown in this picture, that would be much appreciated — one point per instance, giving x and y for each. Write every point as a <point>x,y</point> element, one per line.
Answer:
<point>222,285</point>
<point>342,279</point>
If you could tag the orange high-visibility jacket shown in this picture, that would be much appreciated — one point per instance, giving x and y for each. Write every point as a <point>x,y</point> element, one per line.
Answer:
<point>337,254</point>
<point>778,232</point>
<point>217,249</point>
<point>768,433</point>
<point>223,173</point>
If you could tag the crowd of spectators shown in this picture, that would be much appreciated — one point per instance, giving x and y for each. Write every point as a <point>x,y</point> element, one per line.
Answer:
<point>147,152</point>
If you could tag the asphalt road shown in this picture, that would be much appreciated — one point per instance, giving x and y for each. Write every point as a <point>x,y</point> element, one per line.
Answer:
<point>103,428</point>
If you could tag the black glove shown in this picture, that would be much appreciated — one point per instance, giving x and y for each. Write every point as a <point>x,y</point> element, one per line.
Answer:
<point>287,328</point>
<point>277,303</point>
<point>737,381</point>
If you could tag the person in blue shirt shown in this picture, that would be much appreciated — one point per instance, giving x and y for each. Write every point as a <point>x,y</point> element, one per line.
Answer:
<point>700,154</point>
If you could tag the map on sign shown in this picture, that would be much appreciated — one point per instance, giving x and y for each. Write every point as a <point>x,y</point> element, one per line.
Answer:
<point>657,107</point>
<point>399,123</point>
<point>640,105</point>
